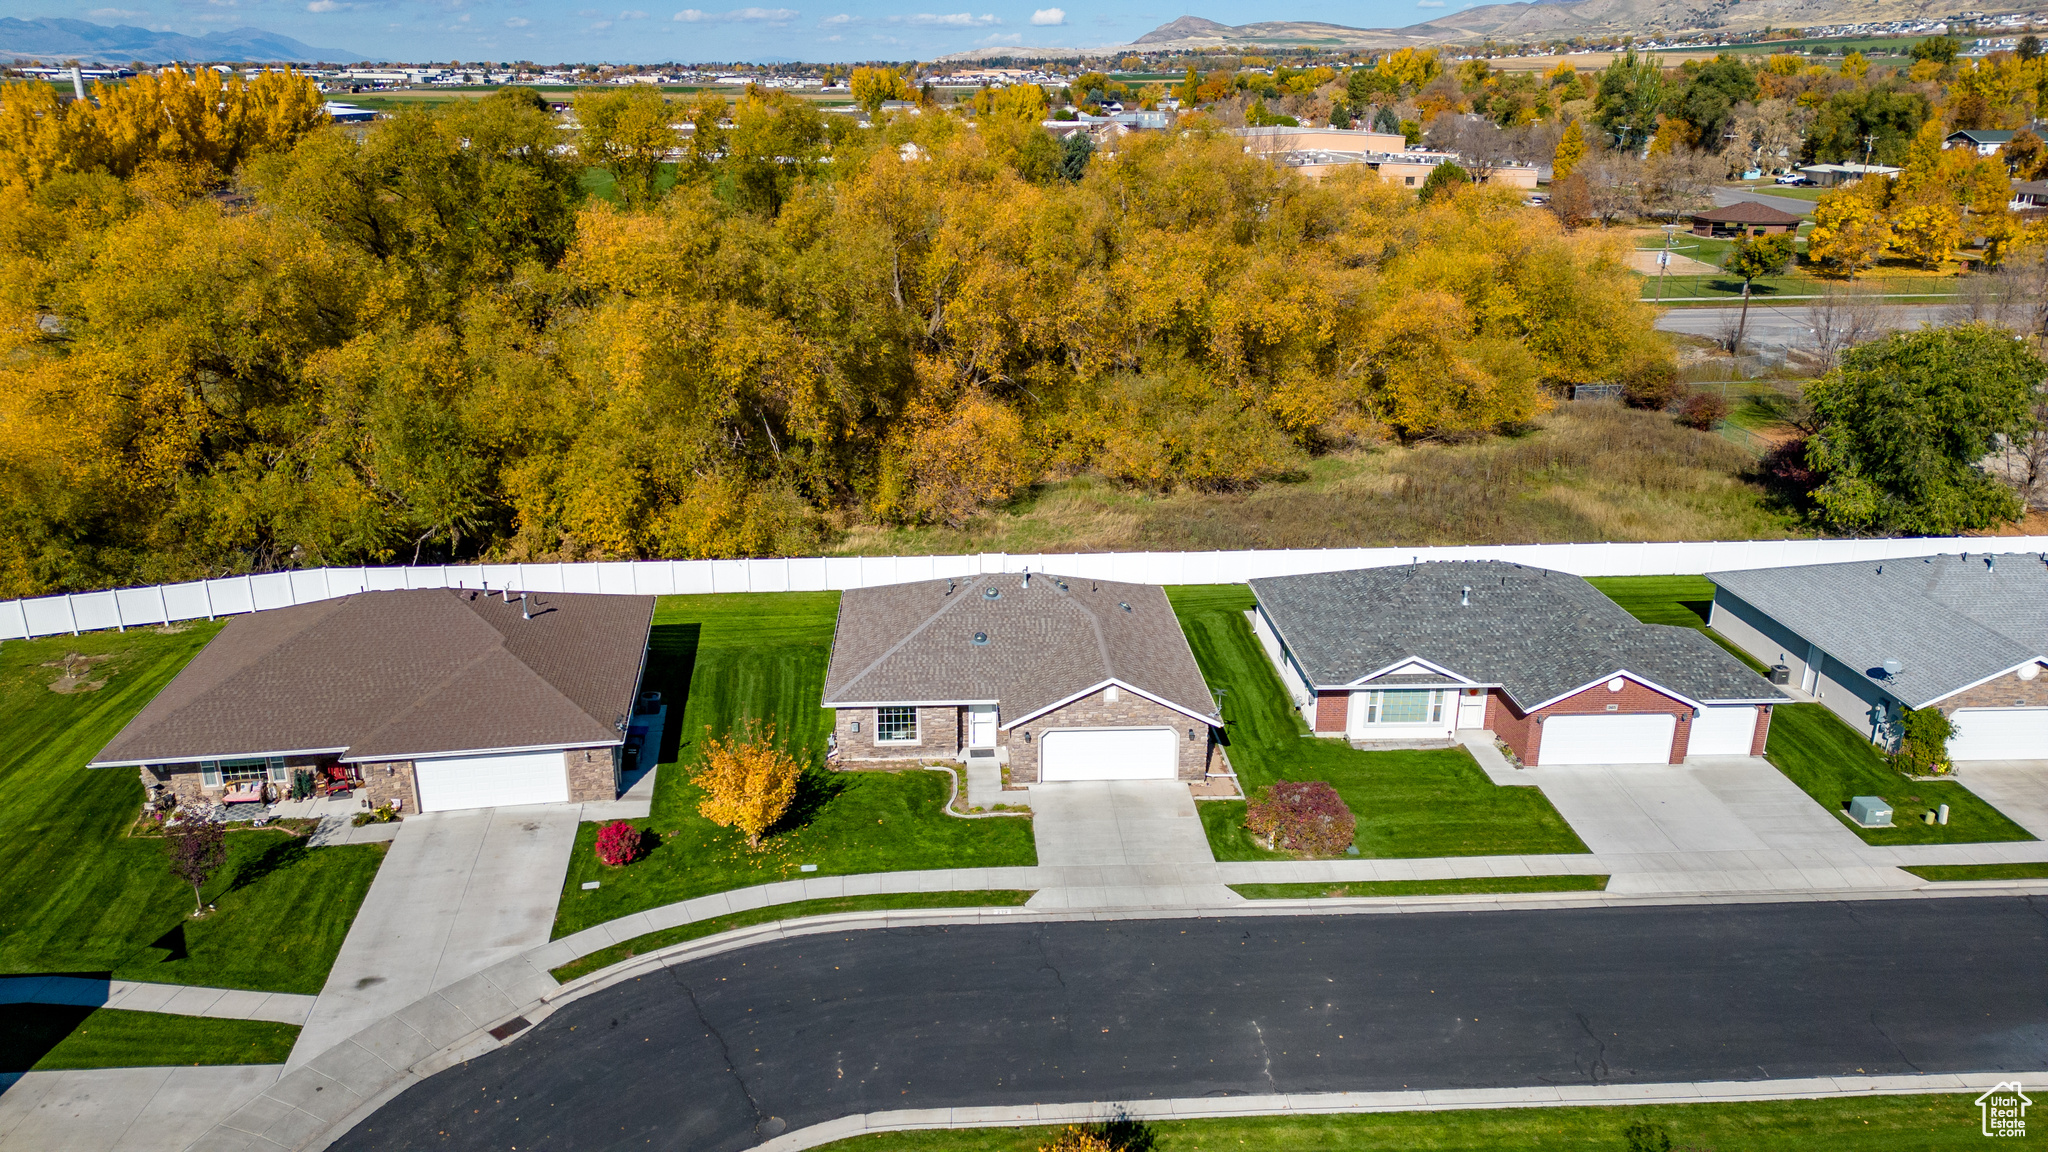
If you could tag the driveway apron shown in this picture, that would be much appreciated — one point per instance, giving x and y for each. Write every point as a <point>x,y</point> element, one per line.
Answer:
<point>1122,843</point>
<point>458,892</point>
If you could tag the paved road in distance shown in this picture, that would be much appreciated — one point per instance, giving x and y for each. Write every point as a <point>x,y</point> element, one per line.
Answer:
<point>716,1053</point>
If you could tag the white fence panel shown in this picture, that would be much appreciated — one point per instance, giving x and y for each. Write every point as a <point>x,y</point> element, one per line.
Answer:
<point>187,601</point>
<point>140,606</point>
<point>47,616</point>
<point>95,610</point>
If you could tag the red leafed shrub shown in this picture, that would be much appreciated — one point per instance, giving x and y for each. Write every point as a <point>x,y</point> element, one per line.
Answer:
<point>618,843</point>
<point>1702,410</point>
<point>1308,818</point>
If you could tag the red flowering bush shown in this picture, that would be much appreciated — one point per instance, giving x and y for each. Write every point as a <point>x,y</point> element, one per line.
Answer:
<point>1307,818</point>
<point>618,843</point>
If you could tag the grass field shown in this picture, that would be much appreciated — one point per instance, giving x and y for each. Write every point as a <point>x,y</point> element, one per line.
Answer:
<point>1586,472</point>
<point>49,1037</point>
<point>1409,803</point>
<point>626,950</point>
<point>763,656</point>
<point>1465,886</point>
<point>1950,873</point>
<point>1865,1124</point>
<point>83,896</point>
<point>1831,763</point>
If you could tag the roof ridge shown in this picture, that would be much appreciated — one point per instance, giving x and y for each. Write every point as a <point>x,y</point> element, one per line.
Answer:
<point>907,637</point>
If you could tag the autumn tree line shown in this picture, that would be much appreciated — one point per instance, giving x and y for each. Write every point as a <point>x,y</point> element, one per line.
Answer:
<point>240,338</point>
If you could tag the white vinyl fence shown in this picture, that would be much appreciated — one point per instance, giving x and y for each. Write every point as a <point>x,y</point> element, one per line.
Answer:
<point>206,599</point>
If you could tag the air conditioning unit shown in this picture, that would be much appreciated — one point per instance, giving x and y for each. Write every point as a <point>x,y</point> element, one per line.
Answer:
<point>1780,674</point>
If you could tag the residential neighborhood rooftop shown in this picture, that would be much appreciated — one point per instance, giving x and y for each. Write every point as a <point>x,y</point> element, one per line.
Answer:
<point>391,675</point>
<point>1748,212</point>
<point>1950,621</point>
<point>1027,641</point>
<point>1538,634</point>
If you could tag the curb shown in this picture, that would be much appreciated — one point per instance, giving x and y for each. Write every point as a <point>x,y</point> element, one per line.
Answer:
<point>314,1105</point>
<point>1336,1103</point>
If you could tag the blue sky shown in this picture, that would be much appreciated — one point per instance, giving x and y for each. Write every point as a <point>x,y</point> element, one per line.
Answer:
<point>578,30</point>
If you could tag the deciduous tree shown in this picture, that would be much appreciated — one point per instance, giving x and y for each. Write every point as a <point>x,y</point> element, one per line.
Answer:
<point>748,780</point>
<point>196,850</point>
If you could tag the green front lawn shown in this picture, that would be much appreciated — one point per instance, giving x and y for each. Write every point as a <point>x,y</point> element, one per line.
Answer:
<point>763,655</point>
<point>698,929</point>
<point>1463,886</point>
<point>49,1037</point>
<point>83,896</point>
<point>1831,763</point>
<point>1682,601</point>
<point>1850,1124</point>
<point>1949,873</point>
<point>1435,802</point>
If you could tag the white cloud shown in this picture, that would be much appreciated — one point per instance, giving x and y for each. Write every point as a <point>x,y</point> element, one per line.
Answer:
<point>948,20</point>
<point>517,22</point>
<point>835,21</point>
<point>1049,17</point>
<point>1429,3</point>
<point>739,16</point>
<point>600,26</point>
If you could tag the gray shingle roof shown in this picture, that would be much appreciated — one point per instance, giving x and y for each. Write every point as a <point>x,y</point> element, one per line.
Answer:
<point>1538,634</point>
<point>394,674</point>
<point>1045,642</point>
<point>1952,621</point>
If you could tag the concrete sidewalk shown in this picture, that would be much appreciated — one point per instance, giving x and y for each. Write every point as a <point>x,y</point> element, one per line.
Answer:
<point>458,892</point>
<point>123,1109</point>
<point>174,999</point>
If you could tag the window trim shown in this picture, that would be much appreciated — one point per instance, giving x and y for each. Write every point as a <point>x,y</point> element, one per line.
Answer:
<point>1375,707</point>
<point>882,726</point>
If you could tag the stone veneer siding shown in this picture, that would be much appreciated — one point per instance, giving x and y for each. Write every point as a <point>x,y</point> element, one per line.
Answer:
<point>1129,710</point>
<point>385,781</point>
<point>1524,733</point>
<point>2008,691</point>
<point>938,735</point>
<point>593,774</point>
<point>183,779</point>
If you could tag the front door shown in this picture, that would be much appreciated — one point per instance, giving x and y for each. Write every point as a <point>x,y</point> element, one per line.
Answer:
<point>1472,708</point>
<point>981,726</point>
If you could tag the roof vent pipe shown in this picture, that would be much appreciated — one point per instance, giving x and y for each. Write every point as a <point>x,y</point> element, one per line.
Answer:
<point>1027,578</point>
<point>525,609</point>
<point>1991,563</point>
<point>1465,596</point>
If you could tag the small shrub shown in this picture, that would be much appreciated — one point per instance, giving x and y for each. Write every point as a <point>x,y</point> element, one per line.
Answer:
<point>1923,743</point>
<point>748,781</point>
<point>1644,1136</point>
<point>1702,410</point>
<point>383,814</point>
<point>1650,382</point>
<point>1307,818</point>
<point>1075,1138</point>
<point>618,844</point>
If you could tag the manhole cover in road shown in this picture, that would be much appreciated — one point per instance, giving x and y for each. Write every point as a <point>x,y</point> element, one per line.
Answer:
<point>773,1126</point>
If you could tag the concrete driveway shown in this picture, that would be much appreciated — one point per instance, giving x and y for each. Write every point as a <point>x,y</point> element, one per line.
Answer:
<point>122,1109</point>
<point>2018,788</point>
<point>1122,843</point>
<point>458,892</point>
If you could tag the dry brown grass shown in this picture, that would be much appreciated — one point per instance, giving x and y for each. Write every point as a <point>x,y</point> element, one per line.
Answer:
<point>1587,472</point>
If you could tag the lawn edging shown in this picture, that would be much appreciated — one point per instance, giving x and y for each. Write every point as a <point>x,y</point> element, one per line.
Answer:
<point>1338,1103</point>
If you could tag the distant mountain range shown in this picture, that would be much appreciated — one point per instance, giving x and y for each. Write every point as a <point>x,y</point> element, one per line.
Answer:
<point>1536,20</point>
<point>57,40</point>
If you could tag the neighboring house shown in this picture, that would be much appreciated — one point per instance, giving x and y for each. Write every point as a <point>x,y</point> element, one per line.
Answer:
<point>1059,677</point>
<point>1831,175</point>
<point>1966,634</point>
<point>2030,194</point>
<point>440,698</point>
<point>1982,141</point>
<point>1744,218</point>
<point>1555,669</point>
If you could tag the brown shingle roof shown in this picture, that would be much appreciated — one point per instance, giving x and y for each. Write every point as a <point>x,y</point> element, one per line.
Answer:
<point>389,675</point>
<point>1748,212</point>
<point>1046,641</point>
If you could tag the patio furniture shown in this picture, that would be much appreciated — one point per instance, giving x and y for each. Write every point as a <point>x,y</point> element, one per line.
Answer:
<point>250,792</point>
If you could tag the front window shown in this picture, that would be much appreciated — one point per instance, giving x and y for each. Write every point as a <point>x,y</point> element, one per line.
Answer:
<point>1405,706</point>
<point>896,725</point>
<point>214,773</point>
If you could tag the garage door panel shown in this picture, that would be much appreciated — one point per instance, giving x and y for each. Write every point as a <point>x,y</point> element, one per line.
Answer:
<point>1107,754</point>
<point>1607,739</point>
<point>1999,734</point>
<point>456,782</point>
<point>1722,732</point>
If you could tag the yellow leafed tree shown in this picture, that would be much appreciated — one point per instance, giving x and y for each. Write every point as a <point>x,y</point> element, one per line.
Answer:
<point>872,87</point>
<point>1571,148</point>
<point>748,781</point>
<point>1850,228</point>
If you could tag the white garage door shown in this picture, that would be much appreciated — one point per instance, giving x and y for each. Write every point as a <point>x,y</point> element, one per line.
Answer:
<point>1107,754</point>
<point>492,781</point>
<point>1999,734</point>
<point>1602,739</point>
<point>1722,732</point>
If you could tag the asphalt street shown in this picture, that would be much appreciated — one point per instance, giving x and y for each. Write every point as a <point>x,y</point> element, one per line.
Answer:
<point>720,1053</point>
<point>1792,322</point>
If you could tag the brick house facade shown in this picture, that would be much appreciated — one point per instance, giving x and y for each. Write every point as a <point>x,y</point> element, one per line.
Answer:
<point>1129,710</point>
<point>2007,691</point>
<point>941,734</point>
<point>1524,733</point>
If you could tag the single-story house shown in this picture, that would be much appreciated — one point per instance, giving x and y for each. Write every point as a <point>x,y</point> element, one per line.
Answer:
<point>1542,659</point>
<point>1059,677</point>
<point>1982,141</point>
<point>1744,218</point>
<point>1967,634</point>
<point>2029,194</point>
<point>438,698</point>
<point>1832,175</point>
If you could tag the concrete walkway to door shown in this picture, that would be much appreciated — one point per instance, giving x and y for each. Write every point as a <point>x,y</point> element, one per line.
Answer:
<point>1117,843</point>
<point>458,892</point>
